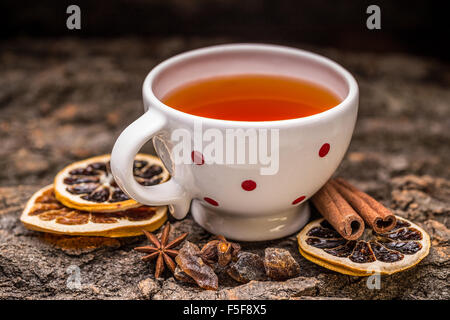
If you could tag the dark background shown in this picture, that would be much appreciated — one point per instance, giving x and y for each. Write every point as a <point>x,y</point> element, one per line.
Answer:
<point>417,27</point>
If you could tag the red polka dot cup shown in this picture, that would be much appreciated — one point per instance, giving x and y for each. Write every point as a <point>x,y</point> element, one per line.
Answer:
<point>237,200</point>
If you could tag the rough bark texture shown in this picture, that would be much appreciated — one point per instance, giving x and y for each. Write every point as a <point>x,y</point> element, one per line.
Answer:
<point>65,100</point>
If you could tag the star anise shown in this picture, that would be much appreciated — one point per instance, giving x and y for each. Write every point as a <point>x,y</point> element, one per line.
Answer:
<point>162,250</point>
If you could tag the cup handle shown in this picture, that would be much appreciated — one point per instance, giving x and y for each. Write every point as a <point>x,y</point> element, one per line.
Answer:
<point>125,149</point>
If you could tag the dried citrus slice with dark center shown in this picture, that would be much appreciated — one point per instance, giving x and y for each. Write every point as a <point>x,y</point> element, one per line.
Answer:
<point>386,253</point>
<point>89,185</point>
<point>44,212</point>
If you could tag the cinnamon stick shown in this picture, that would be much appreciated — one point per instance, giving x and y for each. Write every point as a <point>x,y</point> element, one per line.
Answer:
<point>377,216</point>
<point>338,212</point>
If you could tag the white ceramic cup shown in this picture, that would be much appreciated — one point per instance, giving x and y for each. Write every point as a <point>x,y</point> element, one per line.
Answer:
<point>310,148</point>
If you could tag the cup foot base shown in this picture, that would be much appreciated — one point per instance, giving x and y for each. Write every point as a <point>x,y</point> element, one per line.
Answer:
<point>235,227</point>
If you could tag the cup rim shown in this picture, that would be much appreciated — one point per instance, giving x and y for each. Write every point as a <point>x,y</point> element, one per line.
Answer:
<point>150,97</point>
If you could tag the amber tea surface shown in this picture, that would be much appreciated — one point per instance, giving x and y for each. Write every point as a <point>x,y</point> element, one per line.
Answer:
<point>251,98</point>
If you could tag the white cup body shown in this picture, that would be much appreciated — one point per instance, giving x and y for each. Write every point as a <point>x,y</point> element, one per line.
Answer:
<point>270,210</point>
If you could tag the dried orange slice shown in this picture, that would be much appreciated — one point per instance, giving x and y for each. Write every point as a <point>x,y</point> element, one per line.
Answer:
<point>88,185</point>
<point>384,253</point>
<point>44,212</point>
